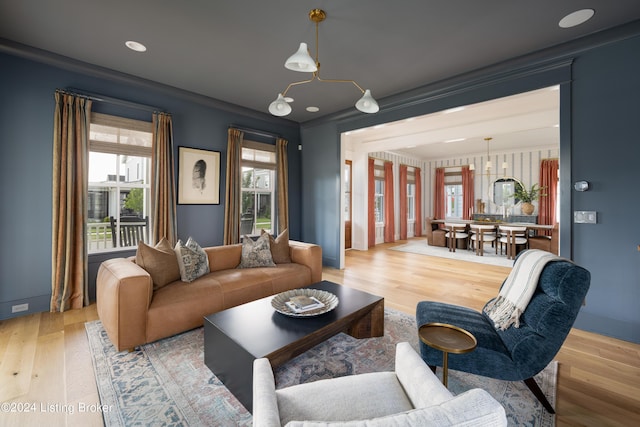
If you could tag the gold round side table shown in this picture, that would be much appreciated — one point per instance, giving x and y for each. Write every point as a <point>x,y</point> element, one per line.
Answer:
<point>448,339</point>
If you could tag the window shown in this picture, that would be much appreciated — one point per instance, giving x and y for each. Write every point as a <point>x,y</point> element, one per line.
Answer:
<point>453,200</point>
<point>453,193</point>
<point>379,200</point>
<point>411,202</point>
<point>119,180</point>
<point>347,191</point>
<point>258,188</point>
<point>411,194</point>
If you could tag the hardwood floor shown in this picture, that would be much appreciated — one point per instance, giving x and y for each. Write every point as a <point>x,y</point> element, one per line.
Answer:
<point>598,376</point>
<point>45,364</point>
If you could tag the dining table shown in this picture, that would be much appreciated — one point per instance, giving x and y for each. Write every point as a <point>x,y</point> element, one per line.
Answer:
<point>511,251</point>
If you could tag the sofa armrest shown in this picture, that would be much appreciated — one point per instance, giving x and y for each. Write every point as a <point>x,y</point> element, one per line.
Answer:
<point>419,382</point>
<point>265,402</point>
<point>123,294</point>
<point>307,254</point>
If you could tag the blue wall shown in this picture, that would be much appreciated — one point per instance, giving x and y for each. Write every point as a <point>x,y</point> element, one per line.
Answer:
<point>26,133</point>
<point>601,89</point>
<point>600,128</point>
<point>606,152</point>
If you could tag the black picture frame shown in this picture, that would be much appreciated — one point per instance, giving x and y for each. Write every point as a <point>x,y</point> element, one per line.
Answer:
<point>198,176</point>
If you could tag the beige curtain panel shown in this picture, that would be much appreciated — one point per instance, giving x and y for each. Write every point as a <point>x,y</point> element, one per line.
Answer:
<point>69,282</point>
<point>232,193</point>
<point>163,189</point>
<point>282,165</point>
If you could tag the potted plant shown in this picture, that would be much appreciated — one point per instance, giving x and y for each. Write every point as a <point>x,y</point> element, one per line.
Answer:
<point>527,196</point>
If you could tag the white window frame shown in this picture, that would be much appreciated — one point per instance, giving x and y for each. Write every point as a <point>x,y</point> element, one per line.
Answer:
<point>97,232</point>
<point>379,201</point>
<point>271,189</point>
<point>411,202</point>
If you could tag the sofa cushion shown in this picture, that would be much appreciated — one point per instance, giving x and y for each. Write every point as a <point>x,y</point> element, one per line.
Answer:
<point>279,247</point>
<point>181,306</point>
<point>240,286</point>
<point>472,408</point>
<point>379,394</point>
<point>159,261</point>
<point>192,260</point>
<point>288,276</point>
<point>256,253</point>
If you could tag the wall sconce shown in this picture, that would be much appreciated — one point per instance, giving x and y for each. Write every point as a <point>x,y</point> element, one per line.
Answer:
<point>581,186</point>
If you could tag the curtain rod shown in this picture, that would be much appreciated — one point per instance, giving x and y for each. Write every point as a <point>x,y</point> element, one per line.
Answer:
<point>110,100</point>
<point>255,131</point>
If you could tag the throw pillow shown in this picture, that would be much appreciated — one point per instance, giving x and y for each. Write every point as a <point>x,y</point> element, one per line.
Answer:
<point>192,260</point>
<point>159,261</point>
<point>279,247</point>
<point>256,254</point>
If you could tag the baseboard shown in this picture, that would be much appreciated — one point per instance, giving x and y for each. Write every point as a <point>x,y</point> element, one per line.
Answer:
<point>330,262</point>
<point>35,305</point>
<point>614,328</point>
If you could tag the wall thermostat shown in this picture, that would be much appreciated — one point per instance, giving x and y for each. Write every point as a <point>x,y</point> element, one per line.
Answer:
<point>581,186</point>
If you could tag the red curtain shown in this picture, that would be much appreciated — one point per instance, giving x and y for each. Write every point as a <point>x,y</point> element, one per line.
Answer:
<point>389,212</point>
<point>467,193</point>
<point>404,219</point>
<point>438,194</point>
<point>418,196</point>
<point>549,184</point>
<point>371,203</point>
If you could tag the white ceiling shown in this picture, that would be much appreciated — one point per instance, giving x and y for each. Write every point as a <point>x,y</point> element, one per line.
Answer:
<point>515,123</point>
<point>234,51</point>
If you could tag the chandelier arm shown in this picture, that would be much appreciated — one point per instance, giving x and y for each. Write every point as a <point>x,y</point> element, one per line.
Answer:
<point>299,83</point>
<point>340,81</point>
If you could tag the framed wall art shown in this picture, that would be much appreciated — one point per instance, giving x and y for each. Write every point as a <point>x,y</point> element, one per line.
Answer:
<point>198,176</point>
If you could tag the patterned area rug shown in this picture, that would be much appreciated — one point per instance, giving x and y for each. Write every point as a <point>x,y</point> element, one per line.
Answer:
<point>167,384</point>
<point>490,257</point>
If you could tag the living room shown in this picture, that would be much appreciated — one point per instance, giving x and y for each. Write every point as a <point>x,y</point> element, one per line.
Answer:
<point>599,89</point>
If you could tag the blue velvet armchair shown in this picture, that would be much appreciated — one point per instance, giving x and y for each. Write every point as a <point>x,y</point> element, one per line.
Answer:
<point>515,354</point>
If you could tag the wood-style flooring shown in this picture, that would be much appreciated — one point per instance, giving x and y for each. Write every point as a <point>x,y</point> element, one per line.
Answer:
<point>46,373</point>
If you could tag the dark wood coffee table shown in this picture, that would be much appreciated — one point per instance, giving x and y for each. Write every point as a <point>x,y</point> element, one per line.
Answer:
<point>234,338</point>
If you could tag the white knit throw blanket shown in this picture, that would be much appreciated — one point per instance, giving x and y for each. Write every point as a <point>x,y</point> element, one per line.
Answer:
<point>518,289</point>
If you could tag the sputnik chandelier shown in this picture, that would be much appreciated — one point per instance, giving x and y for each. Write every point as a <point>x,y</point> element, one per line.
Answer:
<point>302,61</point>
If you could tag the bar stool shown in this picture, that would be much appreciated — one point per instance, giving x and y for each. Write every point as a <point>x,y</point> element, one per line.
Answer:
<point>481,233</point>
<point>512,236</point>
<point>455,232</point>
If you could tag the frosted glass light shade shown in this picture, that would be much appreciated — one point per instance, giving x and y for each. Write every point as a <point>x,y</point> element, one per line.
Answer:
<point>472,167</point>
<point>279,107</point>
<point>505,165</point>
<point>488,166</point>
<point>367,104</point>
<point>301,61</point>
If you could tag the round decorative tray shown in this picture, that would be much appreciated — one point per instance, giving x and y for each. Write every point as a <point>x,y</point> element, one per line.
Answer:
<point>329,300</point>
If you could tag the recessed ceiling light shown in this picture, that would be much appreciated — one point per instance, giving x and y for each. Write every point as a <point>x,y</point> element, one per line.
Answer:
<point>288,99</point>
<point>576,18</point>
<point>138,47</point>
<point>313,109</point>
<point>410,146</point>
<point>454,140</point>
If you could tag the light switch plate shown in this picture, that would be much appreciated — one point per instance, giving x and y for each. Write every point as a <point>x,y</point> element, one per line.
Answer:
<point>585,217</point>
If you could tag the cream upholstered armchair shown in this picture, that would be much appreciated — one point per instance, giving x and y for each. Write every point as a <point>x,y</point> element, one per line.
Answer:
<point>410,396</point>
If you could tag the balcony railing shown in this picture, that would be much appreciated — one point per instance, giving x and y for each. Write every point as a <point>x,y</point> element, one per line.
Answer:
<point>99,236</point>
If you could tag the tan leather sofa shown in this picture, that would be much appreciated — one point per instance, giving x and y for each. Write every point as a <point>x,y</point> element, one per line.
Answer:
<point>133,314</point>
